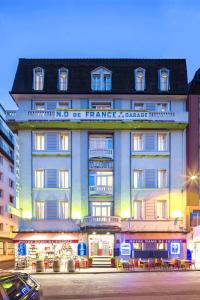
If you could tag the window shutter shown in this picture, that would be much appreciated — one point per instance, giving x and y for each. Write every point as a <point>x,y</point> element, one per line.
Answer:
<point>51,178</point>
<point>51,209</point>
<point>51,105</point>
<point>150,142</point>
<point>151,106</point>
<point>150,178</point>
<point>52,141</point>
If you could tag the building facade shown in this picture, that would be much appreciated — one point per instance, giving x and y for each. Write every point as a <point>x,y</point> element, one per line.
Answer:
<point>102,149</point>
<point>8,221</point>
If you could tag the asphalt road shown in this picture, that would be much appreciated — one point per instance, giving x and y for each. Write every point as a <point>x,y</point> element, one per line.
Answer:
<point>141,286</point>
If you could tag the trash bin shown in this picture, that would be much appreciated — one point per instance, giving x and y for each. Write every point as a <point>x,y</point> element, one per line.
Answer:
<point>71,265</point>
<point>39,266</point>
<point>56,265</point>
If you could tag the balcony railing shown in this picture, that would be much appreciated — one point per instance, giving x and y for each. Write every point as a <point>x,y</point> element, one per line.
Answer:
<point>50,225</point>
<point>7,151</point>
<point>102,153</point>
<point>114,115</point>
<point>101,190</point>
<point>110,221</point>
<point>166,225</point>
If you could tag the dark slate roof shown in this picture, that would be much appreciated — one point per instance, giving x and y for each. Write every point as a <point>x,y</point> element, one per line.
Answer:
<point>194,85</point>
<point>80,78</point>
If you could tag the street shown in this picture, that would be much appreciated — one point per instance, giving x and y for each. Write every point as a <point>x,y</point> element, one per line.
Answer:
<point>142,286</point>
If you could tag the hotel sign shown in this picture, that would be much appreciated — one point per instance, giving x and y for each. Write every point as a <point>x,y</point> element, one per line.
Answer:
<point>14,211</point>
<point>100,165</point>
<point>103,115</point>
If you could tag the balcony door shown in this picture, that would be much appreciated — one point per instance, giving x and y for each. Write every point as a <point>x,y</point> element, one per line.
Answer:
<point>101,209</point>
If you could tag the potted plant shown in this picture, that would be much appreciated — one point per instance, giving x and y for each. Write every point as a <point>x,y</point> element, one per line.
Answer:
<point>89,262</point>
<point>56,264</point>
<point>113,262</point>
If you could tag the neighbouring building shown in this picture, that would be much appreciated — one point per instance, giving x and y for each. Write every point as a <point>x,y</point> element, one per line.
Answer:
<point>102,149</point>
<point>8,221</point>
<point>193,168</point>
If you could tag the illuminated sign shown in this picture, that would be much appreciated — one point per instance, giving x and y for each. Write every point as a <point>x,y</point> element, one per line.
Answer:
<point>175,248</point>
<point>125,248</point>
<point>100,164</point>
<point>82,249</point>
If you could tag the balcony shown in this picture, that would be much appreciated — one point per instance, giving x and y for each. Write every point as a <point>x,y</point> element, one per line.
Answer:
<point>101,153</point>
<point>101,190</point>
<point>50,225</point>
<point>153,225</point>
<point>95,222</point>
<point>4,148</point>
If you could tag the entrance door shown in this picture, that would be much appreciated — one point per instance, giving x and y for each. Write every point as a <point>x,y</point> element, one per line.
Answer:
<point>101,245</point>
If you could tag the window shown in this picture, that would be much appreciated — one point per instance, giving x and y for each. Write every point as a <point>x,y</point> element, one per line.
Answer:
<point>11,183</point>
<point>64,141</point>
<point>63,179</point>
<point>161,209</point>
<point>137,179</point>
<point>39,141</point>
<point>101,105</point>
<point>38,79</point>
<point>63,79</point>
<point>101,182</point>
<point>11,169</point>
<point>1,176</point>
<point>138,209</point>
<point>1,226</point>
<point>137,142</point>
<point>139,79</point>
<point>63,210</point>
<point>1,193</point>
<point>40,106</point>
<point>162,179</point>
<point>101,79</point>
<point>40,210</point>
<point>1,159</point>
<point>139,106</point>
<point>11,199</point>
<point>162,142</point>
<point>39,178</point>
<point>101,209</point>
<point>1,210</point>
<point>164,80</point>
<point>162,107</point>
<point>99,143</point>
<point>63,105</point>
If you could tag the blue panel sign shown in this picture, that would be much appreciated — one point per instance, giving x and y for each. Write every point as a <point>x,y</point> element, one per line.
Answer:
<point>82,249</point>
<point>125,249</point>
<point>22,249</point>
<point>175,248</point>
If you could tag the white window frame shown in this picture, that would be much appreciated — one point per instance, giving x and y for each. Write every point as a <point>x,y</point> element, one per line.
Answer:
<point>164,86</point>
<point>138,178</point>
<point>99,143</point>
<point>63,86</point>
<point>39,182</point>
<point>138,145</point>
<point>64,143</point>
<point>38,84</point>
<point>162,178</point>
<point>40,210</point>
<point>164,147</point>
<point>135,211</point>
<point>140,81</point>
<point>164,213</point>
<point>105,209</point>
<point>101,105</point>
<point>160,105</point>
<point>39,145</point>
<point>63,179</point>
<point>63,210</point>
<point>41,104</point>
<point>101,73</point>
<point>60,105</point>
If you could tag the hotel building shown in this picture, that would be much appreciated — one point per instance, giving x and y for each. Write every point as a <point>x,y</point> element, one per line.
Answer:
<point>8,221</point>
<point>102,145</point>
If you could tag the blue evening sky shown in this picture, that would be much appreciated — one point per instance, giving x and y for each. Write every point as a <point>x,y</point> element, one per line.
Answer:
<point>96,28</point>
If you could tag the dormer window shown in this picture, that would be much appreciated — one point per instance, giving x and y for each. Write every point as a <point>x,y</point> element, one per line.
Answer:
<point>38,79</point>
<point>63,79</point>
<point>140,79</point>
<point>164,80</point>
<point>101,79</point>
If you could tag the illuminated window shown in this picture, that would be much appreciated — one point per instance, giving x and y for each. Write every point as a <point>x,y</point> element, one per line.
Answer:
<point>161,209</point>
<point>164,80</point>
<point>101,79</point>
<point>162,142</point>
<point>64,141</point>
<point>39,178</point>
<point>101,209</point>
<point>63,210</point>
<point>39,141</point>
<point>162,179</point>
<point>138,209</point>
<point>40,106</point>
<point>63,79</point>
<point>38,79</point>
<point>101,182</point>
<point>99,143</point>
<point>137,179</point>
<point>137,142</point>
<point>40,209</point>
<point>139,79</point>
<point>63,179</point>
<point>163,107</point>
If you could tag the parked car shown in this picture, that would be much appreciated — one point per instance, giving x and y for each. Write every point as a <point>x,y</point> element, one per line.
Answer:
<point>19,286</point>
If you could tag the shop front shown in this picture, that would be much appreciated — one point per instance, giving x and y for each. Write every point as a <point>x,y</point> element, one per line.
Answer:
<point>101,245</point>
<point>152,245</point>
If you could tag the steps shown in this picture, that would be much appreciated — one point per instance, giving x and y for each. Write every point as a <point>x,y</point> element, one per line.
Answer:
<point>101,262</point>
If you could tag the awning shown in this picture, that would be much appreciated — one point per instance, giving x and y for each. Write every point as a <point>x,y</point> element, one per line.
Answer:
<point>154,237</point>
<point>49,237</point>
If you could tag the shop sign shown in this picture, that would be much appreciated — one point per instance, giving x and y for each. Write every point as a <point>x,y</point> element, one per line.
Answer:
<point>103,115</point>
<point>101,165</point>
<point>22,249</point>
<point>125,248</point>
<point>155,241</point>
<point>82,249</point>
<point>46,241</point>
<point>175,248</point>
<point>14,211</point>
